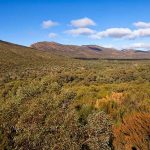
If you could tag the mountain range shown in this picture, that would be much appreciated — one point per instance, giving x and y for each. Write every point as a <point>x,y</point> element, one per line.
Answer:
<point>90,51</point>
<point>80,52</point>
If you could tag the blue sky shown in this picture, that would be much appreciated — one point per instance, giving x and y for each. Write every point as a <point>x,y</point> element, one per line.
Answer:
<point>111,23</point>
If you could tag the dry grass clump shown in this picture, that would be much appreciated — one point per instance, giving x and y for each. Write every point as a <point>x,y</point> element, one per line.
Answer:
<point>133,133</point>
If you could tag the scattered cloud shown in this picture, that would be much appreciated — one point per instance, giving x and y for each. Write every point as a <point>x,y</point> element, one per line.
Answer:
<point>81,28</point>
<point>142,32</point>
<point>143,46</point>
<point>141,24</point>
<point>113,32</point>
<point>80,31</point>
<point>48,24</point>
<point>83,22</point>
<point>135,46</point>
<point>52,35</point>
<point>122,33</point>
<point>109,46</point>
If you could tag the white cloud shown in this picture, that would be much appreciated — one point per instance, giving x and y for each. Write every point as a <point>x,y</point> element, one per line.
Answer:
<point>144,46</point>
<point>95,36</point>
<point>52,35</point>
<point>83,22</point>
<point>80,31</point>
<point>116,32</point>
<point>122,33</point>
<point>119,33</point>
<point>141,24</point>
<point>141,32</point>
<point>113,32</point>
<point>109,46</point>
<point>49,23</point>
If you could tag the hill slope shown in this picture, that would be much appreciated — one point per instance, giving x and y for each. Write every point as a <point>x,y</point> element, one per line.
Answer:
<point>13,56</point>
<point>90,51</point>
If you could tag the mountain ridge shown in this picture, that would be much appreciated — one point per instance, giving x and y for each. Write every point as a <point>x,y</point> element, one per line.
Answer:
<point>83,51</point>
<point>90,51</point>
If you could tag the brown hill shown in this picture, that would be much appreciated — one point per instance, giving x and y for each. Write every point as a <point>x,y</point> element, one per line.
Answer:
<point>90,51</point>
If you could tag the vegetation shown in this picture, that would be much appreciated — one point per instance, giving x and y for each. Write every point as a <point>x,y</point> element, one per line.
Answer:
<point>134,133</point>
<point>52,102</point>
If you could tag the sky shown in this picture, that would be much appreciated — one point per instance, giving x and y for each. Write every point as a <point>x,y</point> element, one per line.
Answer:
<point>110,23</point>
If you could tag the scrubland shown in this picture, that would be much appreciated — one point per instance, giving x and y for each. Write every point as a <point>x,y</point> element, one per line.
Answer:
<point>52,102</point>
